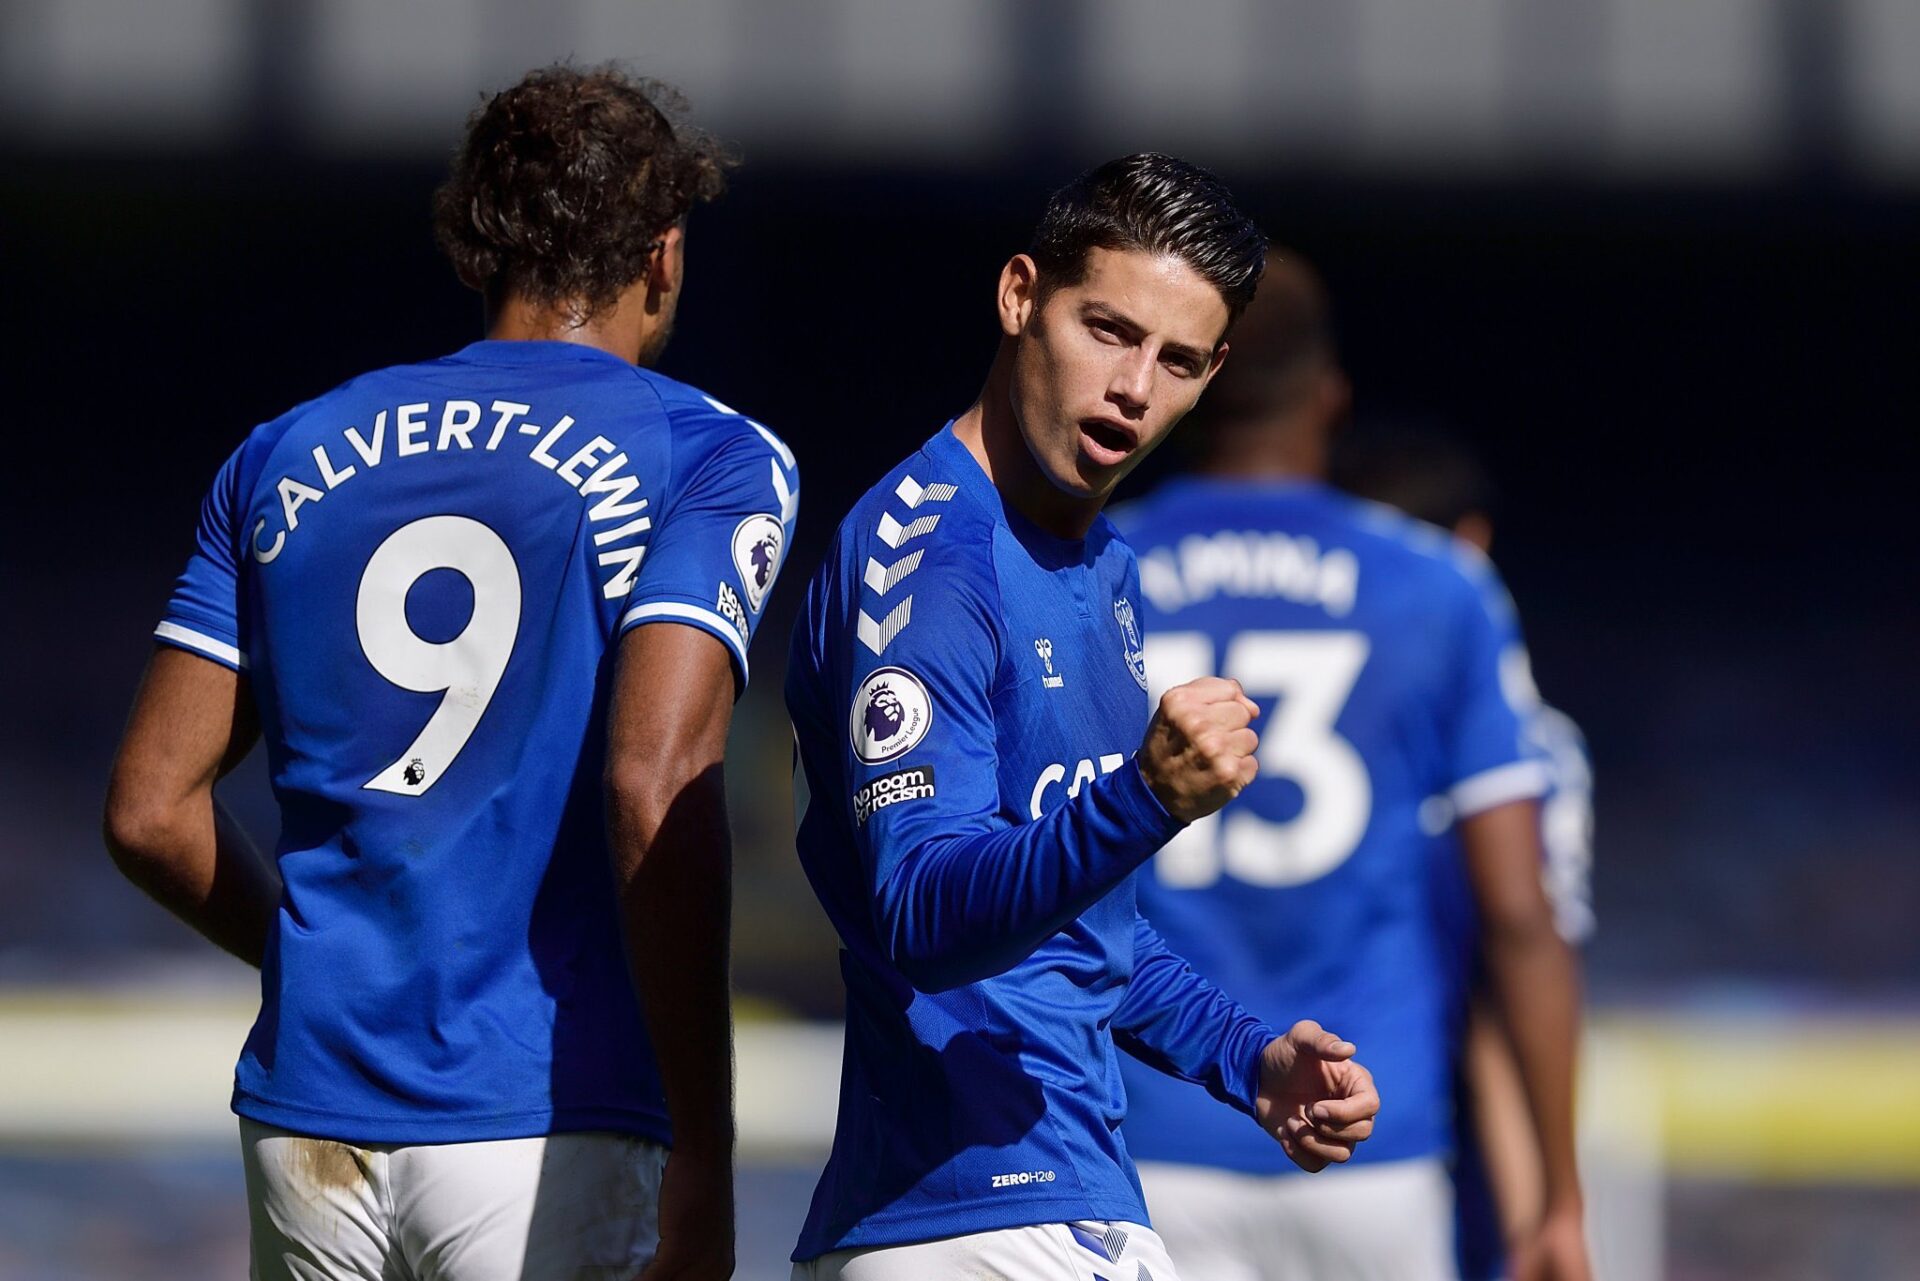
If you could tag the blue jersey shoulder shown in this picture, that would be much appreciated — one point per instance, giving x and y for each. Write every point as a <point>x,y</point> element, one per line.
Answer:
<point>1463,563</point>
<point>704,426</point>
<point>914,536</point>
<point>913,506</point>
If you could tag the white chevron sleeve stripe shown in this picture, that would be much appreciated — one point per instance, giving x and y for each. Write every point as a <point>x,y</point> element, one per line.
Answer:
<point>893,533</point>
<point>884,578</point>
<point>877,636</point>
<point>913,493</point>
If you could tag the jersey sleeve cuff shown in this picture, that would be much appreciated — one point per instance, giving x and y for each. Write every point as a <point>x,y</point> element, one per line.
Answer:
<point>1489,789</point>
<point>1141,806</point>
<point>1250,1043</point>
<point>196,640</point>
<point>700,616</point>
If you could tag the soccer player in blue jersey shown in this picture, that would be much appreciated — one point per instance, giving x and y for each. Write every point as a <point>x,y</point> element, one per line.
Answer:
<point>968,694</point>
<point>490,614</point>
<point>1499,1191</point>
<point>1384,658</point>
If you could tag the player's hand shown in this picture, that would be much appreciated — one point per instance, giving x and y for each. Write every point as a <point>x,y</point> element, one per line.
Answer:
<point>1198,752</point>
<point>1313,1097</point>
<point>1556,1250</point>
<point>696,1219</point>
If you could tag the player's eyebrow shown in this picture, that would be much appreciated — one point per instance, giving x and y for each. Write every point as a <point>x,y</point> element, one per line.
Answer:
<point>1136,330</point>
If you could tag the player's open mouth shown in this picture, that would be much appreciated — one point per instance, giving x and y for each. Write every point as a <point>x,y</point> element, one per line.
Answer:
<point>1106,442</point>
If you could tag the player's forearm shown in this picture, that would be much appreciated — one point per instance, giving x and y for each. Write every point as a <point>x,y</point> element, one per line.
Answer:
<point>1176,1022</point>
<point>192,859</point>
<point>673,858</point>
<point>960,909</point>
<point>1535,981</point>
<point>1501,1120</point>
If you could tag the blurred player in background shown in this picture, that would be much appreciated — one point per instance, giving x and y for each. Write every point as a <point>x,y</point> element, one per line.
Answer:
<point>427,591</point>
<point>968,691</point>
<point>1380,651</point>
<point>1498,1187</point>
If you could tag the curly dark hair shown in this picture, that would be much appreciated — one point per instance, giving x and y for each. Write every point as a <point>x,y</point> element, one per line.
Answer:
<point>564,183</point>
<point>1162,205</point>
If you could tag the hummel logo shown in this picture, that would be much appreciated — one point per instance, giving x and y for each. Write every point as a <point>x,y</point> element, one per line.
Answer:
<point>1044,648</point>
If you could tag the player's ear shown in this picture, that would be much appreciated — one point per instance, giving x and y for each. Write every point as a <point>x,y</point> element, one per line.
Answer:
<point>1019,294</point>
<point>1475,528</point>
<point>1336,395</point>
<point>667,260</point>
<point>1219,359</point>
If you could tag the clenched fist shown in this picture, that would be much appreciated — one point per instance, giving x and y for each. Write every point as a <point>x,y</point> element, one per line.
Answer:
<point>1198,752</point>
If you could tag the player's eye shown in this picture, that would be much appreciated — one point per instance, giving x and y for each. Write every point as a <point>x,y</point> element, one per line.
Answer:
<point>1182,366</point>
<point>1106,331</point>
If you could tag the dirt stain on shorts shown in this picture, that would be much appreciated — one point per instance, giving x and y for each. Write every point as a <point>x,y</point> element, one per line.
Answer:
<point>324,1163</point>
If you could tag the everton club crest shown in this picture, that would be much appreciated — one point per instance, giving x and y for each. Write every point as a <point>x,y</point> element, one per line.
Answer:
<point>1130,640</point>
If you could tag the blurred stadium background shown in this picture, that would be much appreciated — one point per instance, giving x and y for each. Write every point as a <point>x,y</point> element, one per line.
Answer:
<point>1657,259</point>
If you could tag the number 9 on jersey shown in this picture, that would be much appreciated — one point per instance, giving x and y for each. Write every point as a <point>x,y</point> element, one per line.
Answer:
<point>466,669</point>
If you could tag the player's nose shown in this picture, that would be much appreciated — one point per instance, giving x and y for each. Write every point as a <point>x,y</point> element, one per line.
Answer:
<point>1132,384</point>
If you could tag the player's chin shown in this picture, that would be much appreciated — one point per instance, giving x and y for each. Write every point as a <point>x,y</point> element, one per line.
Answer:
<point>1094,476</point>
<point>1076,478</point>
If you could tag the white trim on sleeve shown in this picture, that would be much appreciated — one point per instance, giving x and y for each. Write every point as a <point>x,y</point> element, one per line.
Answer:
<point>669,609</point>
<point>1520,781</point>
<point>201,643</point>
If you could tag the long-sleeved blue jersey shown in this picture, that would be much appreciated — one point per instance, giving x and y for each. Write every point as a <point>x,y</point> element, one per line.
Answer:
<point>423,575</point>
<point>1387,664</point>
<point>967,692</point>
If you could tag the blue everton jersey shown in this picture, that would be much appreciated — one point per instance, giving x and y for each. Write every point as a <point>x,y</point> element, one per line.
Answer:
<point>1376,648</point>
<point>422,576</point>
<point>967,693</point>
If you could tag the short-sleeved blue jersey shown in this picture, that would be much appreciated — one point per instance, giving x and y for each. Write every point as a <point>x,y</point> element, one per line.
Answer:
<point>1375,646</point>
<point>967,693</point>
<point>422,574</point>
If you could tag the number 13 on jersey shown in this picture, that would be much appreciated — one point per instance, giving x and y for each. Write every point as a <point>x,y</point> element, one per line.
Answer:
<point>1310,674</point>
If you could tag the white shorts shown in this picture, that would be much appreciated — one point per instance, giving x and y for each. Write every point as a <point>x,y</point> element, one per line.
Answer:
<point>1387,1222</point>
<point>557,1206</point>
<point>1084,1251</point>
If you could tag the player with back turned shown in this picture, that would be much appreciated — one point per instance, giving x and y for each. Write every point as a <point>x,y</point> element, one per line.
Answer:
<point>968,695</point>
<point>1385,660</point>
<point>490,614</point>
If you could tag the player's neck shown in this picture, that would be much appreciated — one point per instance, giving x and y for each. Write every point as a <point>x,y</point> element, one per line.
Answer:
<point>1292,451</point>
<point>625,329</point>
<point>992,435</point>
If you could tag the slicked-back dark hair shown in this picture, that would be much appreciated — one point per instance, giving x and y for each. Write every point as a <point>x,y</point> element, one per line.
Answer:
<point>564,183</point>
<point>1158,204</point>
